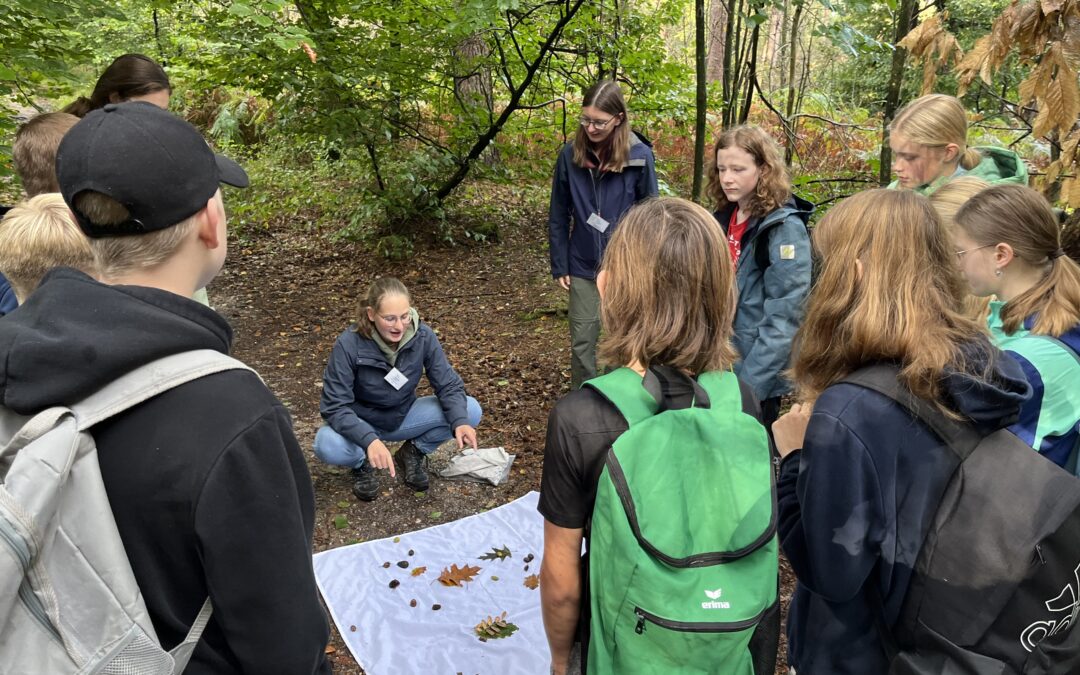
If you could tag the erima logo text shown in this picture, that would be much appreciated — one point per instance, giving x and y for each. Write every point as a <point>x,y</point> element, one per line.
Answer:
<point>713,601</point>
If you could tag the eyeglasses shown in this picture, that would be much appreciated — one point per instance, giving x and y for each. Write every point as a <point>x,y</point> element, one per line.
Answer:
<point>960,254</point>
<point>599,125</point>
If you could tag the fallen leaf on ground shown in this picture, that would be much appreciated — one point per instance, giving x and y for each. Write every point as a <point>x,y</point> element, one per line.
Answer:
<point>417,571</point>
<point>532,581</point>
<point>457,576</point>
<point>330,649</point>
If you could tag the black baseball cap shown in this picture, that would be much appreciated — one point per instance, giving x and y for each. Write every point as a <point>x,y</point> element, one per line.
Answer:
<point>151,161</point>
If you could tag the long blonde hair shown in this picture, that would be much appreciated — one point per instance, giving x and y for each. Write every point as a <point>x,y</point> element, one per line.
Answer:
<point>889,291</point>
<point>773,188</point>
<point>669,291</point>
<point>935,120</point>
<point>1022,218</point>
<point>607,96</point>
<point>947,200</point>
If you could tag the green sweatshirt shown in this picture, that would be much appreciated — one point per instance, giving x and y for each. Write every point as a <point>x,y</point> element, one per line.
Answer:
<point>998,165</point>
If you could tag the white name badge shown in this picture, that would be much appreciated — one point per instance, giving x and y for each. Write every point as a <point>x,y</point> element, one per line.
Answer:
<point>598,223</point>
<point>396,379</point>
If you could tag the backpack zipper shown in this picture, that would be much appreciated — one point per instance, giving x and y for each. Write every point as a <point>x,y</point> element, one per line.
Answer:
<point>693,627</point>
<point>33,603</point>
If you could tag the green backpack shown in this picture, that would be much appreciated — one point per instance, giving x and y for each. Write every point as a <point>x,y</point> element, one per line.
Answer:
<point>683,552</point>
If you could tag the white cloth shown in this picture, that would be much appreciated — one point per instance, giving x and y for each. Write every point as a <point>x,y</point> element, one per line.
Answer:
<point>393,638</point>
<point>490,465</point>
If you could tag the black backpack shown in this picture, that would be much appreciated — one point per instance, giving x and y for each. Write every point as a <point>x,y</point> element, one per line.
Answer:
<point>996,588</point>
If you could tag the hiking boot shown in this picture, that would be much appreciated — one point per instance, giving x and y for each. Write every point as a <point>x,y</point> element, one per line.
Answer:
<point>366,483</point>
<point>411,461</point>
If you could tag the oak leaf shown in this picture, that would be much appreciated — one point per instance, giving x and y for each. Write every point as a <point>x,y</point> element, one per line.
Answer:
<point>497,554</point>
<point>458,576</point>
<point>532,581</point>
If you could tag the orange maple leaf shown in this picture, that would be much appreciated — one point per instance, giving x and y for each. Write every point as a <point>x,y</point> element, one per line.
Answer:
<point>417,571</point>
<point>457,576</point>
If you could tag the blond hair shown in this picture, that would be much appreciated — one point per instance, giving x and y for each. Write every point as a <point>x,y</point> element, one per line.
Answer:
<point>607,96</point>
<point>377,292</point>
<point>947,200</point>
<point>1022,218</point>
<point>901,303</point>
<point>34,151</point>
<point>36,236</point>
<point>121,255</point>
<point>773,188</point>
<point>935,121</point>
<point>669,294</point>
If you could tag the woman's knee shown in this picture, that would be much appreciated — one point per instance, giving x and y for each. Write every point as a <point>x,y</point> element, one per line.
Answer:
<point>473,411</point>
<point>333,448</point>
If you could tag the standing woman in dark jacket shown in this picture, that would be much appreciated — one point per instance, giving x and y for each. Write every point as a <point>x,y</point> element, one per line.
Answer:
<point>861,478</point>
<point>767,237</point>
<point>369,394</point>
<point>597,179</point>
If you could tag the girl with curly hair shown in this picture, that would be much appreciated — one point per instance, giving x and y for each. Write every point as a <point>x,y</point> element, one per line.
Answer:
<point>768,240</point>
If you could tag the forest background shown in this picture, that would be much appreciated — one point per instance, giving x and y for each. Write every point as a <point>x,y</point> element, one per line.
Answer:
<point>361,119</point>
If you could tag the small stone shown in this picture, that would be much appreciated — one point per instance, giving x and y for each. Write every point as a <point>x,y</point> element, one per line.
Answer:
<point>386,564</point>
<point>436,607</point>
<point>352,629</point>
<point>529,558</point>
<point>394,583</point>
<point>403,564</point>
<point>412,603</point>
<point>494,578</point>
<point>526,568</point>
<point>412,552</point>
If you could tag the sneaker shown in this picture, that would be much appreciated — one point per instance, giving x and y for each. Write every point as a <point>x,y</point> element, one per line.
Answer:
<point>366,483</point>
<point>411,461</point>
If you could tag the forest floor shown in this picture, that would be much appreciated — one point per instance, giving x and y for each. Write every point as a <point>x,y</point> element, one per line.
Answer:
<point>289,292</point>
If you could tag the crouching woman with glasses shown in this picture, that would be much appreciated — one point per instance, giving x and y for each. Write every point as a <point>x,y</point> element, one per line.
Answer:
<point>598,177</point>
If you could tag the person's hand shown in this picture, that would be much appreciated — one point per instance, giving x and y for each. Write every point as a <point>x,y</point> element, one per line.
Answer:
<point>564,281</point>
<point>380,457</point>
<point>465,435</point>
<point>790,430</point>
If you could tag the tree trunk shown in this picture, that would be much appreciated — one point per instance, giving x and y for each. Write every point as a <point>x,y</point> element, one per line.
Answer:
<point>702,97</point>
<point>472,87</point>
<point>717,33</point>
<point>905,21</point>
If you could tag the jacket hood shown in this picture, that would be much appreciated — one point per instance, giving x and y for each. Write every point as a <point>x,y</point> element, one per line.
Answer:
<point>796,205</point>
<point>74,334</point>
<point>989,389</point>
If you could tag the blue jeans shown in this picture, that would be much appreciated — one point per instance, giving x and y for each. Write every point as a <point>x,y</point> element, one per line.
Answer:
<point>425,425</point>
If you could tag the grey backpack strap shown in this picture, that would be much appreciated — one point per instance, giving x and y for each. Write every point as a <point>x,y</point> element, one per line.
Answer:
<point>182,652</point>
<point>883,378</point>
<point>148,381</point>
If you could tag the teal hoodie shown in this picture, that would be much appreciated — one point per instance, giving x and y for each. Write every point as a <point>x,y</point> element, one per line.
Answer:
<point>998,165</point>
<point>1050,419</point>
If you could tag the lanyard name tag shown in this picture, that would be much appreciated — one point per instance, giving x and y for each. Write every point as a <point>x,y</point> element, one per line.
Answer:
<point>597,222</point>
<point>396,379</point>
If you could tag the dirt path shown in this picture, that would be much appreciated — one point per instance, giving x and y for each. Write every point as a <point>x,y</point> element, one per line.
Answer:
<point>288,294</point>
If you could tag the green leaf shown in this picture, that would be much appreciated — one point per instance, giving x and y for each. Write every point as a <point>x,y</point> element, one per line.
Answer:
<point>343,504</point>
<point>435,514</point>
<point>341,522</point>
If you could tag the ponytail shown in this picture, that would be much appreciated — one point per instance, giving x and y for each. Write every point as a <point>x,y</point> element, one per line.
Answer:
<point>1055,300</point>
<point>970,158</point>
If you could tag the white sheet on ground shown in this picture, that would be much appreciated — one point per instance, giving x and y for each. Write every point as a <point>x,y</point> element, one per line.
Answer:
<point>393,638</point>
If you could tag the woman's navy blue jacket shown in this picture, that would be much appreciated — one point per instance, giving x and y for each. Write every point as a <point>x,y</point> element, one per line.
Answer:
<point>855,505</point>
<point>577,193</point>
<point>357,402</point>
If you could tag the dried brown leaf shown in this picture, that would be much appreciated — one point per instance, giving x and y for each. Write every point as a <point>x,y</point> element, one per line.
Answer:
<point>532,581</point>
<point>458,576</point>
<point>417,571</point>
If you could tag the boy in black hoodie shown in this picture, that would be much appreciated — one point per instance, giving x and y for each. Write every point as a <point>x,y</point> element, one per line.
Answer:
<point>208,486</point>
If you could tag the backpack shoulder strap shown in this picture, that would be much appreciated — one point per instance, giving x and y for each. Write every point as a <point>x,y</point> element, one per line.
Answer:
<point>148,381</point>
<point>624,389</point>
<point>1053,340</point>
<point>882,378</point>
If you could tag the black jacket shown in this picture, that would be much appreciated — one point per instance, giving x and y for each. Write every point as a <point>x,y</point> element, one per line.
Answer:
<point>856,503</point>
<point>210,491</point>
